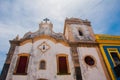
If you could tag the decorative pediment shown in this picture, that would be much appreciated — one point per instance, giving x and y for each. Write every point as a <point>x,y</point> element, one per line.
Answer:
<point>44,47</point>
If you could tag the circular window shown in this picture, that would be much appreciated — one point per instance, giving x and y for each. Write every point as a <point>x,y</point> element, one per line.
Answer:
<point>89,60</point>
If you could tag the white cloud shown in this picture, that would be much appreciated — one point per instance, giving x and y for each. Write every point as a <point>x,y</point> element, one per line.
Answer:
<point>22,16</point>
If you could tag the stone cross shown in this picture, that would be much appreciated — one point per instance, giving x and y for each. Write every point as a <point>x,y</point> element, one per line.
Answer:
<point>46,19</point>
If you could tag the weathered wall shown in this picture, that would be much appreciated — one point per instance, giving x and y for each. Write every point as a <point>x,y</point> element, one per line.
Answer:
<point>49,56</point>
<point>94,72</point>
<point>73,30</point>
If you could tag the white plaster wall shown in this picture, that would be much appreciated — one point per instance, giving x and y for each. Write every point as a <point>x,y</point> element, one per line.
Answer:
<point>90,72</point>
<point>12,65</point>
<point>76,27</point>
<point>26,48</point>
<point>49,56</point>
<point>18,50</point>
<point>50,73</point>
<point>66,32</point>
<point>85,30</point>
<point>19,77</point>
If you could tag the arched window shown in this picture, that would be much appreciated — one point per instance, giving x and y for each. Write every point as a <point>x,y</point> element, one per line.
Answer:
<point>80,33</point>
<point>42,64</point>
<point>22,64</point>
<point>62,64</point>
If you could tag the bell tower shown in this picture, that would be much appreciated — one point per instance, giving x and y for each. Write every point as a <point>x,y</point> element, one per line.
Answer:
<point>77,30</point>
<point>45,27</point>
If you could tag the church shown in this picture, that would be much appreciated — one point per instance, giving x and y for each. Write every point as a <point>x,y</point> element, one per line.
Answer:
<point>74,54</point>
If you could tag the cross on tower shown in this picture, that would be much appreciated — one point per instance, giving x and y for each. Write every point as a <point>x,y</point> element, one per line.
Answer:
<point>46,19</point>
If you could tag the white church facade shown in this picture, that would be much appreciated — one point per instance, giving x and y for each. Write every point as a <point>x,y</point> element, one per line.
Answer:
<point>46,55</point>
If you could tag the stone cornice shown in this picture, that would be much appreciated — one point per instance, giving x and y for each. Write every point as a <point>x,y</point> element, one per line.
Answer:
<point>32,40</point>
<point>83,44</point>
<point>14,42</point>
<point>107,39</point>
<point>64,42</point>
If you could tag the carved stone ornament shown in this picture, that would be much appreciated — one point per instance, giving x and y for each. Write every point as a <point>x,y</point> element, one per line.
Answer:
<point>44,47</point>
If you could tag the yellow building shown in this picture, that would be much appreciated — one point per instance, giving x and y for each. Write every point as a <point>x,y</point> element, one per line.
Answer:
<point>110,49</point>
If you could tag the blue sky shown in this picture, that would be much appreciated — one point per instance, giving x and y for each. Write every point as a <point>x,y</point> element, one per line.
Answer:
<point>21,16</point>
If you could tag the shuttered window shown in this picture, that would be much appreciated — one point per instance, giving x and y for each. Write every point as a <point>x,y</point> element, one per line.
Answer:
<point>22,65</point>
<point>62,64</point>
